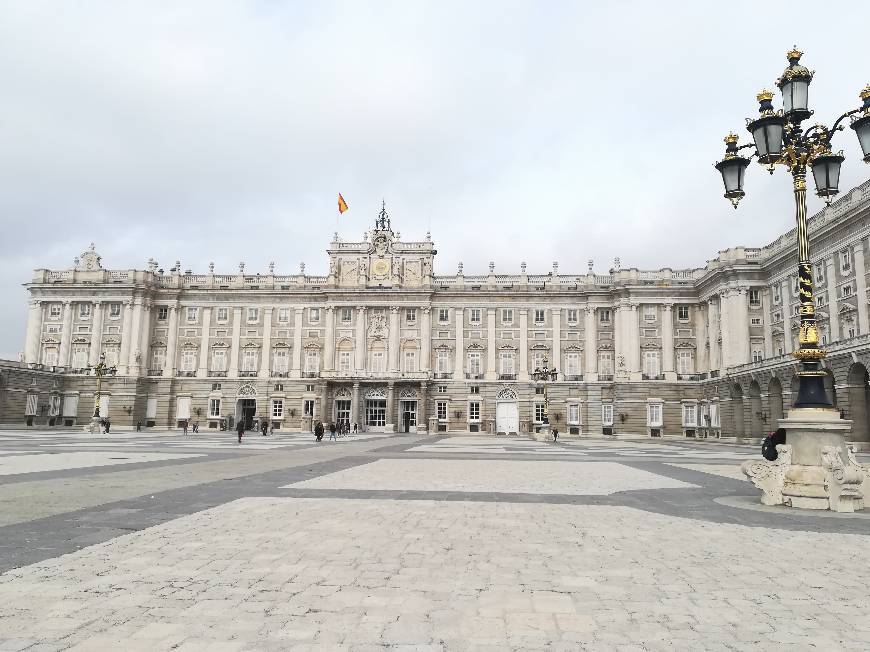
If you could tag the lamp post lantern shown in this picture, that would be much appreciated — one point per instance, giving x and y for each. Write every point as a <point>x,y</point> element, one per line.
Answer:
<point>545,375</point>
<point>100,369</point>
<point>815,469</point>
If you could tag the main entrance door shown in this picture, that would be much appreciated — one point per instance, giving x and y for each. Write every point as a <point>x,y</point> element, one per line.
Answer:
<point>409,415</point>
<point>342,410</point>
<point>507,419</point>
<point>247,410</point>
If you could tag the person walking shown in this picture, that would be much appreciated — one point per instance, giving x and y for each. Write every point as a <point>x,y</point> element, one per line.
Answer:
<point>318,431</point>
<point>240,428</point>
<point>555,435</point>
<point>264,427</point>
<point>138,426</point>
<point>196,427</point>
<point>108,425</point>
<point>332,431</point>
<point>271,427</point>
<point>184,427</point>
<point>355,426</point>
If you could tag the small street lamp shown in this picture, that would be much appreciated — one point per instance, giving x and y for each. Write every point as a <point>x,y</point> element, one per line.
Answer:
<point>100,369</point>
<point>779,139</point>
<point>545,375</point>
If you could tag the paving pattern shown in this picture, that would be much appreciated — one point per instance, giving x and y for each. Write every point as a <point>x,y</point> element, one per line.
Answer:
<point>412,543</point>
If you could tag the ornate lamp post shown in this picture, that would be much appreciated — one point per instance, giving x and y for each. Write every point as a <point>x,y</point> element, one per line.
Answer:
<point>100,369</point>
<point>545,375</point>
<point>806,474</point>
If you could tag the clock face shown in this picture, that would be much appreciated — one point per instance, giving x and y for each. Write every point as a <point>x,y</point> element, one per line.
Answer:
<point>381,267</point>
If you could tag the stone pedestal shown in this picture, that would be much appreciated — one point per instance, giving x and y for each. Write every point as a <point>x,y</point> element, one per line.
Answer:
<point>543,433</point>
<point>94,427</point>
<point>815,468</point>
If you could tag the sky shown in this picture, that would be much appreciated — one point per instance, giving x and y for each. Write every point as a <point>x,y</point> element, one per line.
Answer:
<point>222,130</point>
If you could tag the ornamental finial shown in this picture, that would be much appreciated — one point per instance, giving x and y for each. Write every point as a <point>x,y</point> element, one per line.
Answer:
<point>731,138</point>
<point>764,95</point>
<point>865,94</point>
<point>794,53</point>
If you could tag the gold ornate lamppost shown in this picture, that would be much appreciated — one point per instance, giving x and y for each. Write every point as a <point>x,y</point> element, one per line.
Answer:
<point>815,468</point>
<point>100,369</point>
<point>779,139</point>
<point>545,375</point>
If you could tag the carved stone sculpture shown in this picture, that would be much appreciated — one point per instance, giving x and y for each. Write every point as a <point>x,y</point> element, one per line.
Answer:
<point>769,476</point>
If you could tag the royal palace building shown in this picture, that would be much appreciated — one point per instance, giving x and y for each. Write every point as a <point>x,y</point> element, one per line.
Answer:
<point>384,342</point>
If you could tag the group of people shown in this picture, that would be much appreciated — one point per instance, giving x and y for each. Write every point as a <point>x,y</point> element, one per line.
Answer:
<point>184,425</point>
<point>266,428</point>
<point>342,428</point>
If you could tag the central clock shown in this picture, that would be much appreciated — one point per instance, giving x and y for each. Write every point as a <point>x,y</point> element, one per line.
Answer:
<point>381,267</point>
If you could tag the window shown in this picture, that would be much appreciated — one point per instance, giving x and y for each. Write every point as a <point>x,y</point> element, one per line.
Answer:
<point>215,387</point>
<point>214,407</point>
<point>346,315</point>
<point>651,366</point>
<point>654,414</point>
<point>280,360</point>
<point>574,413</point>
<point>84,310</point>
<point>249,360</point>
<point>754,298</point>
<point>572,315</point>
<point>849,328</point>
<point>539,315</point>
<point>308,408</point>
<point>649,313</point>
<point>777,297</point>
<point>279,387</point>
<point>572,363</point>
<point>538,359</point>
<point>442,361</point>
<point>253,315</point>
<point>277,408</point>
<point>54,329</point>
<point>650,332</point>
<point>474,411</point>
<point>410,315</point>
<point>539,390</point>
<point>605,363</point>
<point>219,360</point>
<point>283,315</point>
<point>755,321</point>
<point>797,309</point>
<point>847,291</point>
<point>845,262</point>
<point>314,315</point>
<point>410,361</point>
<point>377,361</point>
<point>539,412</point>
<point>188,360</point>
<point>475,315</point>
<point>80,356</point>
<point>312,361</point>
<point>32,405</point>
<point>162,313</point>
<point>820,274</point>
<point>442,389</point>
<point>507,362</point>
<point>685,363</point>
<point>443,315</point>
<point>795,287</point>
<point>474,389</point>
<point>821,300</point>
<point>690,415</point>
<point>54,311</point>
<point>507,316</point>
<point>757,355</point>
<point>191,315</point>
<point>441,410</point>
<point>777,316</point>
<point>714,415</point>
<point>604,315</point>
<point>223,314</point>
<point>49,357</point>
<point>683,313</point>
<point>114,310</point>
<point>345,361</point>
<point>474,362</point>
<point>309,388</point>
<point>607,414</point>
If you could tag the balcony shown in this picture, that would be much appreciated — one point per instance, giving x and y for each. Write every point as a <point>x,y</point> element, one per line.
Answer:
<point>574,377</point>
<point>310,374</point>
<point>507,376</point>
<point>442,375</point>
<point>155,372</point>
<point>688,376</point>
<point>363,374</point>
<point>469,376</point>
<point>280,374</point>
<point>652,377</point>
<point>605,378</point>
<point>217,374</point>
<point>186,374</point>
<point>247,374</point>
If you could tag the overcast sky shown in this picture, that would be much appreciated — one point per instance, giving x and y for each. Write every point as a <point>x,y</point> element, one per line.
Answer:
<point>221,130</point>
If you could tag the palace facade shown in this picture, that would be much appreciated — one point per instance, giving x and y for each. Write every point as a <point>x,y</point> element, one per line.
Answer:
<point>385,342</point>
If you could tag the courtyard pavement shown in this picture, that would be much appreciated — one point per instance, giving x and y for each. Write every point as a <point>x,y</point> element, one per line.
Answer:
<point>156,541</point>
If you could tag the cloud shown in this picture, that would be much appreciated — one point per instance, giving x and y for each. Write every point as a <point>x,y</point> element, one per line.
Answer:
<point>222,131</point>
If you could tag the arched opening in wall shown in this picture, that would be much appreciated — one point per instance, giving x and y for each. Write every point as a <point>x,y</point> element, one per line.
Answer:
<point>774,399</point>
<point>859,398</point>
<point>755,414</point>
<point>738,429</point>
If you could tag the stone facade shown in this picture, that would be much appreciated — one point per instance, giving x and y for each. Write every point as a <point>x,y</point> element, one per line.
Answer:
<point>384,342</point>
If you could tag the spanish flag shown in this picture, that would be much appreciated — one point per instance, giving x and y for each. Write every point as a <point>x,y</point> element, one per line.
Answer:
<point>342,205</point>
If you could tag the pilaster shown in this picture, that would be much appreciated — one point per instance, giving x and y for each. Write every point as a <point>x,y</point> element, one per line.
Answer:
<point>34,333</point>
<point>65,334</point>
<point>701,340</point>
<point>634,338</point>
<point>557,362</point>
<point>713,333</point>
<point>767,328</point>
<point>202,367</point>
<point>135,335</point>
<point>235,344</point>
<point>425,338</point>
<point>172,344</point>
<point>266,357</point>
<point>524,344</point>
<point>96,333</point>
<point>329,340</point>
<point>145,335</point>
<point>590,336</point>
<point>127,337</point>
<point>359,357</point>
<point>491,371</point>
<point>459,367</point>
<point>668,341</point>
<point>296,369</point>
<point>861,287</point>
<point>393,352</point>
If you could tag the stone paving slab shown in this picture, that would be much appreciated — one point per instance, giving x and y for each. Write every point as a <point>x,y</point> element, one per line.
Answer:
<point>37,463</point>
<point>500,476</point>
<point>272,573</point>
<point>724,470</point>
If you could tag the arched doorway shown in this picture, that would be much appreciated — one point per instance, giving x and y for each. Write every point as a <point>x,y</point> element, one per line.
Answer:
<point>859,398</point>
<point>507,416</point>
<point>246,405</point>
<point>342,405</point>
<point>408,410</point>
<point>738,428</point>
<point>774,399</point>
<point>755,414</point>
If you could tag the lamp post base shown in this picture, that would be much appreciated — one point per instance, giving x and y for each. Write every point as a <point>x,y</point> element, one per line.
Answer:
<point>94,427</point>
<point>542,432</point>
<point>815,469</point>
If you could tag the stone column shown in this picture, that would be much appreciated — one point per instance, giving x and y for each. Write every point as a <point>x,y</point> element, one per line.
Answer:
<point>861,287</point>
<point>266,361</point>
<point>135,337</point>
<point>557,362</point>
<point>393,353</point>
<point>359,355</point>
<point>355,406</point>
<point>634,338</point>
<point>668,341</point>
<point>725,316</point>
<point>713,333</point>
<point>235,344</point>
<point>701,336</point>
<point>34,333</point>
<point>491,371</point>
<point>459,367</point>
<point>325,415</point>
<point>425,338</point>
<point>391,407</point>
<point>96,333</point>
<point>172,344</point>
<point>66,334</point>
<point>590,336</point>
<point>740,330</point>
<point>202,367</point>
<point>766,318</point>
<point>127,337</point>
<point>422,420</point>
<point>145,335</point>
<point>787,339</point>
<point>619,347</point>
<point>524,344</point>
<point>329,340</point>
<point>296,370</point>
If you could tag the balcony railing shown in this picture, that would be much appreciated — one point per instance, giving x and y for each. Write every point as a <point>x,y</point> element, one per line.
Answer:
<point>507,376</point>
<point>280,374</point>
<point>442,375</point>
<point>217,374</point>
<point>310,374</point>
<point>607,378</point>
<point>186,374</point>
<point>247,374</point>
<point>653,377</point>
<point>155,372</point>
<point>573,376</point>
<point>688,376</point>
<point>470,376</point>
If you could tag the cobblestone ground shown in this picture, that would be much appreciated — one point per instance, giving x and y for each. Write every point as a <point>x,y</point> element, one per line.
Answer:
<point>378,545</point>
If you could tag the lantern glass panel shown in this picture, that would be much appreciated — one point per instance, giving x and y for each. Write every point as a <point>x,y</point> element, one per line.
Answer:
<point>794,95</point>
<point>826,171</point>
<point>862,129</point>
